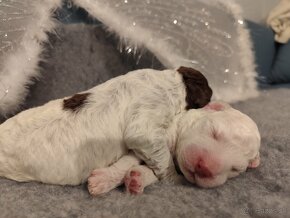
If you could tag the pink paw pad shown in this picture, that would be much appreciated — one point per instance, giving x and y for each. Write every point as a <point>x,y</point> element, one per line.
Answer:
<point>133,182</point>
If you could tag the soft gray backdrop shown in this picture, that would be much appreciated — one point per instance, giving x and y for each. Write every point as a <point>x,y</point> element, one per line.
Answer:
<point>79,57</point>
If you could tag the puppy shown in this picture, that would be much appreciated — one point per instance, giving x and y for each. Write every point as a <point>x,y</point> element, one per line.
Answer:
<point>213,144</point>
<point>63,141</point>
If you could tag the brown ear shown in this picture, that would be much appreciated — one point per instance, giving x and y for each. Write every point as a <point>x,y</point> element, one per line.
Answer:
<point>254,163</point>
<point>198,92</point>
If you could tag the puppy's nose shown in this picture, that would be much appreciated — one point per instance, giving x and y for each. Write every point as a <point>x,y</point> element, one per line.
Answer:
<point>201,170</point>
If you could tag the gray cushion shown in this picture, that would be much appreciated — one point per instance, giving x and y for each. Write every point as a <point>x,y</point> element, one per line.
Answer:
<point>69,14</point>
<point>264,48</point>
<point>281,68</point>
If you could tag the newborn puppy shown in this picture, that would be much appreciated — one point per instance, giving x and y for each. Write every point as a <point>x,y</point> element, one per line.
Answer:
<point>213,144</point>
<point>63,141</point>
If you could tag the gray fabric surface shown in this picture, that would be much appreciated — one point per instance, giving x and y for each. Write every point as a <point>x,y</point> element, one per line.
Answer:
<point>264,47</point>
<point>281,66</point>
<point>81,57</point>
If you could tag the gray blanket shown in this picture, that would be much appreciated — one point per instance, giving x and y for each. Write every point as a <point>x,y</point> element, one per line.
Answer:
<point>80,57</point>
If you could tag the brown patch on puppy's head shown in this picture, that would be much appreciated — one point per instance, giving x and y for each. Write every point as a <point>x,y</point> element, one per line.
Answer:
<point>75,102</point>
<point>198,92</point>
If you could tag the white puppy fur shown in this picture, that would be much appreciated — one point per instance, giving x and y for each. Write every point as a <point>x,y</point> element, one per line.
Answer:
<point>213,144</point>
<point>63,141</point>
<point>68,141</point>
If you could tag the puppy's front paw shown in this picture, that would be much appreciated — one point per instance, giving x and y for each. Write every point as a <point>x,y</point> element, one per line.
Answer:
<point>134,181</point>
<point>101,181</point>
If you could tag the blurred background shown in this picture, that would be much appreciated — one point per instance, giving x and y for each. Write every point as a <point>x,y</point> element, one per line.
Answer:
<point>257,10</point>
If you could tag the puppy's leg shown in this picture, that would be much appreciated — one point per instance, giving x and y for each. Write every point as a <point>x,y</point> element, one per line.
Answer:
<point>138,177</point>
<point>104,180</point>
<point>147,135</point>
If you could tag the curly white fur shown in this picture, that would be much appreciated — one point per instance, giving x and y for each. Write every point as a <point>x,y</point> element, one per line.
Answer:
<point>143,111</point>
<point>53,145</point>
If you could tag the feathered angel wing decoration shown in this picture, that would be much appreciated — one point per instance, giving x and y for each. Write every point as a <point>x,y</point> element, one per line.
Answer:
<point>23,28</point>
<point>208,35</point>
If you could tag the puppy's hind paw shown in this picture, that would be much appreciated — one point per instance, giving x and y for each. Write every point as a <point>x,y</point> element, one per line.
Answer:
<point>134,182</point>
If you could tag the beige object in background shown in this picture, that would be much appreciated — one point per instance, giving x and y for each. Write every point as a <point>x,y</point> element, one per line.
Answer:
<point>279,20</point>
